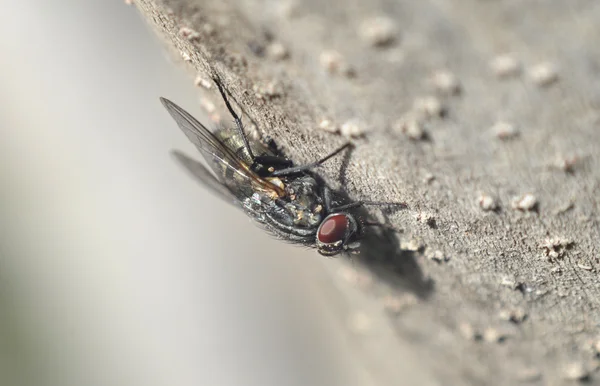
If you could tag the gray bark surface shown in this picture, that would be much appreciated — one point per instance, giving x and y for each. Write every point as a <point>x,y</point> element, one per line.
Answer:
<point>458,275</point>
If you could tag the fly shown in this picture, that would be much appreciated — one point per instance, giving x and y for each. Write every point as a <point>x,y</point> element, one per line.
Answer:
<point>289,201</point>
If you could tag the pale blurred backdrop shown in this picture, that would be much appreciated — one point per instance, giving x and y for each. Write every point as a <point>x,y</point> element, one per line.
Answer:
<point>116,268</point>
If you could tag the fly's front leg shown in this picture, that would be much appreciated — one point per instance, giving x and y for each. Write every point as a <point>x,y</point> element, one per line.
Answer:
<point>366,223</point>
<point>381,226</point>
<point>299,169</point>
<point>357,204</point>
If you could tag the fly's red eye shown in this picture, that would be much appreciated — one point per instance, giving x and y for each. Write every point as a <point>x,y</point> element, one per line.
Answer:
<point>333,229</point>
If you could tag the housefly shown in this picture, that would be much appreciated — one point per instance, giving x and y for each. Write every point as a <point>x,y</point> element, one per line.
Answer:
<point>291,202</point>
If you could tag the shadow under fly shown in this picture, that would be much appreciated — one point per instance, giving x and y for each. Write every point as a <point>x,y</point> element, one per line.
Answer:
<point>290,201</point>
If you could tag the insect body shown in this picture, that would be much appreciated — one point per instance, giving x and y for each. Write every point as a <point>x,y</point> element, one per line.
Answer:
<point>289,201</point>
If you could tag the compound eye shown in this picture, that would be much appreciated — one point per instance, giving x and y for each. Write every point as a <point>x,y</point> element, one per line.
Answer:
<point>333,229</point>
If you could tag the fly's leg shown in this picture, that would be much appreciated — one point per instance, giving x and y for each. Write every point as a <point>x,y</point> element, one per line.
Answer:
<point>382,226</point>
<point>302,168</point>
<point>366,223</point>
<point>273,161</point>
<point>357,204</point>
<point>258,162</point>
<point>236,118</point>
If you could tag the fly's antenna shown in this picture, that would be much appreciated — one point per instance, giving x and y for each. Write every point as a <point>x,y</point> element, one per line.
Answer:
<point>236,118</point>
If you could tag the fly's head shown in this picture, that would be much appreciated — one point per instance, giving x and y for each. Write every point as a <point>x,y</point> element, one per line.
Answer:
<point>337,233</point>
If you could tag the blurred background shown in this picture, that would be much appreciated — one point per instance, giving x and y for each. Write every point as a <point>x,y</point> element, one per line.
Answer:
<point>116,268</point>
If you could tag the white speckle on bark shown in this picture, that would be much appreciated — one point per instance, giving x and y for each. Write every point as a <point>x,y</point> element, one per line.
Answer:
<point>411,245</point>
<point>487,203</point>
<point>208,105</point>
<point>410,126</point>
<point>566,163</point>
<point>585,266</point>
<point>555,247</point>
<point>271,89</point>
<point>543,74</point>
<point>277,51</point>
<point>189,34</point>
<point>378,31</point>
<point>428,107</point>
<point>334,63</point>
<point>493,335</point>
<point>353,128</point>
<point>437,256</point>
<point>446,82</point>
<point>468,331</point>
<point>505,65</point>
<point>516,316</point>
<point>594,345</point>
<point>524,203</point>
<point>426,218</point>
<point>208,29</point>
<point>185,56</point>
<point>202,81</point>
<point>509,282</point>
<point>505,130</point>
<point>575,371</point>
<point>428,177</point>
<point>328,126</point>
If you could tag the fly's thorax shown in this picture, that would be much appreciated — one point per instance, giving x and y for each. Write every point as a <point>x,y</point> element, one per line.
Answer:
<point>302,205</point>
<point>304,189</point>
<point>303,216</point>
<point>304,202</point>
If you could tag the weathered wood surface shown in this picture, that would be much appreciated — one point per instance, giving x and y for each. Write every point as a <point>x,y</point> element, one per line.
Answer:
<point>472,267</point>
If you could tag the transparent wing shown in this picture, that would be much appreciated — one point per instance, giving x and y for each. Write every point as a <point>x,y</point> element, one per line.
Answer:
<point>240,176</point>
<point>205,177</point>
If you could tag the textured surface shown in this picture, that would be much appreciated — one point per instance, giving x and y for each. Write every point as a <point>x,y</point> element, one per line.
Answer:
<point>505,294</point>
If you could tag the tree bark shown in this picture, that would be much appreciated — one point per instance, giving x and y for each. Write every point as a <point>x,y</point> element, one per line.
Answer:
<point>482,116</point>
